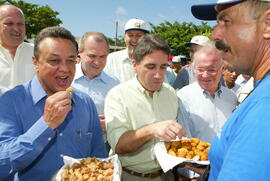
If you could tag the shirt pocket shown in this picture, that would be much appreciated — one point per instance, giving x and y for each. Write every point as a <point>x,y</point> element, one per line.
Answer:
<point>82,141</point>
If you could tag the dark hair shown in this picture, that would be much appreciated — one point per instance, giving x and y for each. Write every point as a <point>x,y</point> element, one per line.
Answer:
<point>53,32</point>
<point>98,37</point>
<point>147,45</point>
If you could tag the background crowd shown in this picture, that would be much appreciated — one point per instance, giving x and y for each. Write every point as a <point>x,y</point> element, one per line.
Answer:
<point>126,101</point>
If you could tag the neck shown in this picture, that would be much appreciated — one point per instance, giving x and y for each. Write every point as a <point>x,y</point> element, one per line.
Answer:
<point>262,71</point>
<point>11,49</point>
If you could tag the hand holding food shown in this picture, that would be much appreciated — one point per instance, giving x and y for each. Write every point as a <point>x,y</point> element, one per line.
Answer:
<point>56,108</point>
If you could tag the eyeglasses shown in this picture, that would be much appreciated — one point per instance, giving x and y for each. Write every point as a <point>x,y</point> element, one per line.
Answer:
<point>208,71</point>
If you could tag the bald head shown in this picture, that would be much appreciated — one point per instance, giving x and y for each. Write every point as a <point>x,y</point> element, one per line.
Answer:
<point>208,68</point>
<point>12,26</point>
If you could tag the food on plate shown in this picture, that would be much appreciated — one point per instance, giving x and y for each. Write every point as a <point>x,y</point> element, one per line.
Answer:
<point>188,148</point>
<point>89,169</point>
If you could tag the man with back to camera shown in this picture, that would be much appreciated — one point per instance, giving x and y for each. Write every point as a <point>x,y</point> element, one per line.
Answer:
<point>186,75</point>
<point>90,77</point>
<point>119,63</point>
<point>241,150</point>
<point>142,111</point>
<point>40,121</point>
<point>16,65</point>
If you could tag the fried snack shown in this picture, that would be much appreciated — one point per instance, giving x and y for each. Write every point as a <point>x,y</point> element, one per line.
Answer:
<point>188,148</point>
<point>70,90</point>
<point>89,169</point>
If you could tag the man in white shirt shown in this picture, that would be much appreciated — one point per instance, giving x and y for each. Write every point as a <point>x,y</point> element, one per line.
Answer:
<point>142,111</point>
<point>16,65</point>
<point>205,104</point>
<point>119,63</point>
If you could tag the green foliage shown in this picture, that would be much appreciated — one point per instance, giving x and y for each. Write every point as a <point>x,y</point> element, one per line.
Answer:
<point>36,17</point>
<point>177,34</point>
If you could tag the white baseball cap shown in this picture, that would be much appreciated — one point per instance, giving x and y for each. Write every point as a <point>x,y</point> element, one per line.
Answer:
<point>199,40</point>
<point>208,12</point>
<point>136,24</point>
<point>178,58</point>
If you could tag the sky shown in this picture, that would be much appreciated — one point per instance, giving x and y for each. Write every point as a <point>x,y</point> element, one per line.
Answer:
<point>80,16</point>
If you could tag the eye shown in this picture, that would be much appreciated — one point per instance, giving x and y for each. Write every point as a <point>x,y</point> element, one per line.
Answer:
<point>164,66</point>
<point>8,23</point>
<point>150,66</point>
<point>53,61</point>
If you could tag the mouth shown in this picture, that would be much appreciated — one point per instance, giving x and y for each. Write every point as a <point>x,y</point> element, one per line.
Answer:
<point>220,45</point>
<point>15,34</point>
<point>62,81</point>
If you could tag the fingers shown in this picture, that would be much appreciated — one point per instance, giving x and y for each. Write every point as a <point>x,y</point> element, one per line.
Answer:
<point>103,125</point>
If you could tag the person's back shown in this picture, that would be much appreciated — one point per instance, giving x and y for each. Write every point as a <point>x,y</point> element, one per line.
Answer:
<point>16,65</point>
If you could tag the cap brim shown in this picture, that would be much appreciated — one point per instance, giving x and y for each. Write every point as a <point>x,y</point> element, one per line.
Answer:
<point>189,44</point>
<point>207,11</point>
<point>145,31</point>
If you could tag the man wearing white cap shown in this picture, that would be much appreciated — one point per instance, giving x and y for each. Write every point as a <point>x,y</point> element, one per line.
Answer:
<point>241,150</point>
<point>119,63</point>
<point>186,75</point>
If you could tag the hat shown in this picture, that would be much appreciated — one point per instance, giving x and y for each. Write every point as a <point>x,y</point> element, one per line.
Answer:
<point>178,58</point>
<point>207,11</point>
<point>136,24</point>
<point>199,40</point>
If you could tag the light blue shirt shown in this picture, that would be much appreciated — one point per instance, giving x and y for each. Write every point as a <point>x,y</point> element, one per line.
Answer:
<point>29,149</point>
<point>201,115</point>
<point>241,151</point>
<point>96,88</point>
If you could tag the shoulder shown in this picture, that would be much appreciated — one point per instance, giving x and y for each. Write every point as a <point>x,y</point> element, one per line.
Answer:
<point>188,90</point>
<point>26,45</point>
<point>18,93</point>
<point>110,78</point>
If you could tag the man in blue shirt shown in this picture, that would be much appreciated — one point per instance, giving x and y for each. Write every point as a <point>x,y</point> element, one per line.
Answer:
<point>90,77</point>
<point>241,151</point>
<point>40,121</point>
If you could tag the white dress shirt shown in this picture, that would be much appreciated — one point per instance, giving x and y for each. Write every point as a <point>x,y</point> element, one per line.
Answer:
<point>201,115</point>
<point>17,71</point>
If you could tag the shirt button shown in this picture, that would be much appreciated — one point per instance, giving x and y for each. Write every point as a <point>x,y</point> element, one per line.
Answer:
<point>49,139</point>
<point>61,134</point>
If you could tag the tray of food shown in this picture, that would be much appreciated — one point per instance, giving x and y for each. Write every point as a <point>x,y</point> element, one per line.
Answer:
<point>89,169</point>
<point>191,150</point>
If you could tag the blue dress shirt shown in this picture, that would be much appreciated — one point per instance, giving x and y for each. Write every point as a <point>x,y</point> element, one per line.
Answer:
<point>96,88</point>
<point>29,149</point>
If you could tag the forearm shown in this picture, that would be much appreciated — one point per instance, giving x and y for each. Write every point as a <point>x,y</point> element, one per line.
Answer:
<point>131,141</point>
<point>16,153</point>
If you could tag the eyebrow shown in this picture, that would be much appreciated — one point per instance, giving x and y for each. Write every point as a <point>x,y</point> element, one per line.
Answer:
<point>57,55</point>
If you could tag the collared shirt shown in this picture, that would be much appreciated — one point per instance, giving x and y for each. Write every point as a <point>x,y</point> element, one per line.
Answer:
<point>128,106</point>
<point>17,71</point>
<point>241,151</point>
<point>96,88</point>
<point>201,115</point>
<point>120,65</point>
<point>29,149</point>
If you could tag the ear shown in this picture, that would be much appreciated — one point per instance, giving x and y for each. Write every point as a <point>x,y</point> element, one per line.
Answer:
<point>35,62</point>
<point>266,24</point>
<point>134,65</point>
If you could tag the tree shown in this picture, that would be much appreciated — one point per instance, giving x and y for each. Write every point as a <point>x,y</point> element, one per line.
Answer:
<point>36,17</point>
<point>178,34</point>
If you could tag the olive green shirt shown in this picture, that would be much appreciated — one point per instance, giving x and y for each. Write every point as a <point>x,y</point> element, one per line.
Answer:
<point>128,106</point>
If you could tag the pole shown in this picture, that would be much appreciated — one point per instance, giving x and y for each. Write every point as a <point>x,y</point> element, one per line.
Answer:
<point>116,31</point>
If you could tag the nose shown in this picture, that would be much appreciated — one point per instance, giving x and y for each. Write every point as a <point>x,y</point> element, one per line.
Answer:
<point>216,33</point>
<point>63,66</point>
<point>158,74</point>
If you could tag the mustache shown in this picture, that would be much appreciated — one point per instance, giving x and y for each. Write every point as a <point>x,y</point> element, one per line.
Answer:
<point>220,45</point>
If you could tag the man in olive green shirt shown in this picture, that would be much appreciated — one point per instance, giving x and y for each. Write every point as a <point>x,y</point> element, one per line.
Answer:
<point>142,111</point>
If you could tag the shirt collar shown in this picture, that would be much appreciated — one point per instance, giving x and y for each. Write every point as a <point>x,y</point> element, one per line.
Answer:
<point>218,92</point>
<point>79,74</point>
<point>37,91</point>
